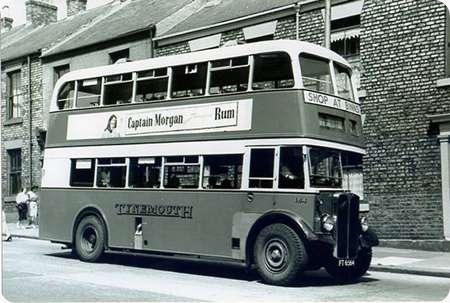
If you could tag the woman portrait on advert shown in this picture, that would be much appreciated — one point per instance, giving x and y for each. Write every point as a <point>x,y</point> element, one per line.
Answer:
<point>111,130</point>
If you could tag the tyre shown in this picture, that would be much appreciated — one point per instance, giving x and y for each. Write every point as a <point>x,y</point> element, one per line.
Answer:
<point>90,239</point>
<point>279,254</point>
<point>348,274</point>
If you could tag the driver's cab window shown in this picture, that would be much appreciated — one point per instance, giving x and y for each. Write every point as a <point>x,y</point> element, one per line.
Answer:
<point>325,167</point>
<point>291,168</point>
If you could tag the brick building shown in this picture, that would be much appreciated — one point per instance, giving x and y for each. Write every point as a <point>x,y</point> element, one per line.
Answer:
<point>21,89</point>
<point>399,49</point>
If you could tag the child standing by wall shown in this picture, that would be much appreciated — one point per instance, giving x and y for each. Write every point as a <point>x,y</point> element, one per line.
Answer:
<point>33,199</point>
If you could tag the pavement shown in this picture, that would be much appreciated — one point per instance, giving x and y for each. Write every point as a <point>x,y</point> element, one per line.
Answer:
<point>386,259</point>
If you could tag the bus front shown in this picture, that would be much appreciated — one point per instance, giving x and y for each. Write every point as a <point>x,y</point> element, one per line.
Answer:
<point>331,115</point>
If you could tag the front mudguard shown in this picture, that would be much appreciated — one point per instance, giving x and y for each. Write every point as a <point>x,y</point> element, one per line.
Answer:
<point>368,239</point>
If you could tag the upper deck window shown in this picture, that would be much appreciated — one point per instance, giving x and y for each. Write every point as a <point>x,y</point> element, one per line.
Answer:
<point>316,73</point>
<point>343,82</point>
<point>189,80</point>
<point>89,92</point>
<point>66,95</point>
<point>229,75</point>
<point>118,89</point>
<point>152,85</point>
<point>272,70</point>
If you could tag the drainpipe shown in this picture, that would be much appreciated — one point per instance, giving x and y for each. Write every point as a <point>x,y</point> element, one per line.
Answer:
<point>327,23</point>
<point>30,120</point>
<point>297,21</point>
<point>152,29</point>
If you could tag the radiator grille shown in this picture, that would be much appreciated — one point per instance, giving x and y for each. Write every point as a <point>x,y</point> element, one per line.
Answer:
<point>347,227</point>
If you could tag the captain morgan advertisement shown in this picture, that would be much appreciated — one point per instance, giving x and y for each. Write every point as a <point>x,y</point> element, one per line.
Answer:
<point>199,118</point>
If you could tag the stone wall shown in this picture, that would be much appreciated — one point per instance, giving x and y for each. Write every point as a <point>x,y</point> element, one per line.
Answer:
<point>402,55</point>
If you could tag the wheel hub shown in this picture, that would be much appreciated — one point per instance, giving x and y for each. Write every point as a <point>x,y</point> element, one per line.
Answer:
<point>89,239</point>
<point>276,255</point>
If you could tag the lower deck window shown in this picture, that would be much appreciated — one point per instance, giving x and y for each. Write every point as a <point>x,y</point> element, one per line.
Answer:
<point>181,176</point>
<point>261,168</point>
<point>222,172</point>
<point>111,172</point>
<point>82,172</point>
<point>145,172</point>
<point>182,172</point>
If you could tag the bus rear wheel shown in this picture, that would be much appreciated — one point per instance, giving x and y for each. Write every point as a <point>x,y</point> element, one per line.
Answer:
<point>353,273</point>
<point>279,254</point>
<point>90,239</point>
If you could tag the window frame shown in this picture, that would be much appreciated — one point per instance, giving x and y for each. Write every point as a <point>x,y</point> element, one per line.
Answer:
<point>161,172</point>
<point>127,169</point>
<point>11,97</point>
<point>199,163</point>
<point>14,171</point>
<point>240,185</point>
<point>138,79</point>
<point>311,186</point>
<point>330,71</point>
<point>73,165</point>
<point>276,168</point>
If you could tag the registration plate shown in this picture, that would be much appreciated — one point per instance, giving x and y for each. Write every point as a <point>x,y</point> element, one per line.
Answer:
<point>346,263</point>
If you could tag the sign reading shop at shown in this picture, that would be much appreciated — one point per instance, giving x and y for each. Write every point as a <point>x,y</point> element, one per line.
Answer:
<point>330,101</point>
<point>199,118</point>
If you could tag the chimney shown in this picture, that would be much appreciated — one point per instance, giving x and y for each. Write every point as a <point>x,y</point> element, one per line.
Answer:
<point>6,21</point>
<point>40,12</point>
<point>75,6</point>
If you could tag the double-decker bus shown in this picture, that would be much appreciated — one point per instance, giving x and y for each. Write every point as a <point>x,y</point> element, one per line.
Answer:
<point>245,154</point>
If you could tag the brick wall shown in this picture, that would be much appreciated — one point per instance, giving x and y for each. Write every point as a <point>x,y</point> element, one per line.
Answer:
<point>402,54</point>
<point>21,130</point>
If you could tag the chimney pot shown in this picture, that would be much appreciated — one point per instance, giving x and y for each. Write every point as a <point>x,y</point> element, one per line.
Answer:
<point>75,6</point>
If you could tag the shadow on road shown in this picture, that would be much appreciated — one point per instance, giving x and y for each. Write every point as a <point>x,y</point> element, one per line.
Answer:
<point>209,268</point>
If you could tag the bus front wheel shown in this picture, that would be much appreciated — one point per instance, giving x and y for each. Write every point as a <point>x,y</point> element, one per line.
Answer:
<point>90,239</point>
<point>279,254</point>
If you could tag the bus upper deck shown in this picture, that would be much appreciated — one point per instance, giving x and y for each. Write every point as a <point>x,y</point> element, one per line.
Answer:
<point>260,90</point>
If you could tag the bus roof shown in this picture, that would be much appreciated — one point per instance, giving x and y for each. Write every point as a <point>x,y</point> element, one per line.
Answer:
<point>292,47</point>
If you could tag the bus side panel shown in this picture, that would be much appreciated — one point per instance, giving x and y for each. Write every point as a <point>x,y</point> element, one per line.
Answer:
<point>177,221</point>
<point>274,114</point>
<point>196,222</point>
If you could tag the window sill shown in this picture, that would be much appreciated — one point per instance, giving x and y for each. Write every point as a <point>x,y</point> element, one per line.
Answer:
<point>9,199</point>
<point>13,121</point>
<point>443,82</point>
